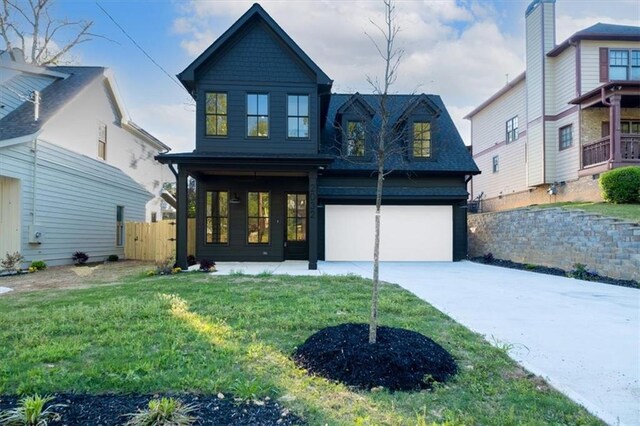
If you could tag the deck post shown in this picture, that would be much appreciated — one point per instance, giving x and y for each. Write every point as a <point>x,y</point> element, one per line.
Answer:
<point>614,122</point>
<point>181,218</point>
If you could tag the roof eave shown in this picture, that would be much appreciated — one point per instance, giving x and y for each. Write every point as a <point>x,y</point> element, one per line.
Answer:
<point>579,37</point>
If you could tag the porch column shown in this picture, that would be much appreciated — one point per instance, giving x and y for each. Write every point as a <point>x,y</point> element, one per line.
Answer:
<point>313,219</point>
<point>181,218</point>
<point>614,122</point>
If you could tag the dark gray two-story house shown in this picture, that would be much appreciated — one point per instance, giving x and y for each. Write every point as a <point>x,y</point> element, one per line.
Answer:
<point>285,168</point>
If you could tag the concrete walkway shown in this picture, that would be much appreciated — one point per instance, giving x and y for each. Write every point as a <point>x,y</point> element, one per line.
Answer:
<point>582,337</point>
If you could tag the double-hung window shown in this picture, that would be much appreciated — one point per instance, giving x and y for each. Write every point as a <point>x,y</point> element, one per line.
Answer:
<point>102,141</point>
<point>216,114</point>
<point>512,129</point>
<point>565,137</point>
<point>355,138</point>
<point>495,164</point>
<point>258,115</point>
<point>217,217</point>
<point>258,218</point>
<point>422,139</point>
<point>298,116</point>
<point>624,64</point>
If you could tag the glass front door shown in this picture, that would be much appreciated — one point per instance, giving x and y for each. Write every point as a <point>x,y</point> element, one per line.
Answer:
<point>295,239</point>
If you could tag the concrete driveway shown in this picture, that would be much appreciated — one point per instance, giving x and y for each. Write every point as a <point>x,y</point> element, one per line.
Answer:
<point>582,337</point>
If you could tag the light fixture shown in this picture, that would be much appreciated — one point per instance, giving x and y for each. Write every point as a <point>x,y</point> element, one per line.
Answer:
<point>235,199</point>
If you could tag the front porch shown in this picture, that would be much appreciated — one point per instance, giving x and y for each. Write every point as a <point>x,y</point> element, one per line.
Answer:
<point>609,127</point>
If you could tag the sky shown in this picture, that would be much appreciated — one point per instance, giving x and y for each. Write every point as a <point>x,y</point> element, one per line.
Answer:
<point>462,50</point>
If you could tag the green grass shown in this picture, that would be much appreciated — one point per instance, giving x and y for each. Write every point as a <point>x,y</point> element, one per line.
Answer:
<point>196,333</point>
<point>630,212</point>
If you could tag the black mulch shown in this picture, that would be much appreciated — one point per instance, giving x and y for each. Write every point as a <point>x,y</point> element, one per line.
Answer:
<point>399,360</point>
<point>590,276</point>
<point>111,410</point>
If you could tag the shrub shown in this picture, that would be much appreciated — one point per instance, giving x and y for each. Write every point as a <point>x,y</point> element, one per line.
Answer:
<point>80,257</point>
<point>38,265</point>
<point>207,265</point>
<point>191,260</point>
<point>113,258</point>
<point>164,411</point>
<point>165,267</point>
<point>31,412</point>
<point>580,272</point>
<point>621,185</point>
<point>12,262</point>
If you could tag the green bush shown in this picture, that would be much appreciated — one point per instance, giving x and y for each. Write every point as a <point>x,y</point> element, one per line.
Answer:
<point>621,185</point>
<point>113,258</point>
<point>39,265</point>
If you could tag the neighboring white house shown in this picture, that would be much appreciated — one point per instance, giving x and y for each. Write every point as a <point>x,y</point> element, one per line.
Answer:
<point>573,114</point>
<point>73,166</point>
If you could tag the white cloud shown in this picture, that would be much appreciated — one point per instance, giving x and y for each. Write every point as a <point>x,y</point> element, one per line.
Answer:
<point>457,49</point>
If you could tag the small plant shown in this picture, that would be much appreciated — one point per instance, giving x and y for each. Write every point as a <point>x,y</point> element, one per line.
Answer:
<point>80,258</point>
<point>580,272</point>
<point>488,258</point>
<point>176,270</point>
<point>31,411</point>
<point>151,273</point>
<point>207,265</point>
<point>113,258</point>
<point>621,185</point>
<point>11,262</point>
<point>191,260</point>
<point>38,265</point>
<point>165,267</point>
<point>530,266</point>
<point>163,412</point>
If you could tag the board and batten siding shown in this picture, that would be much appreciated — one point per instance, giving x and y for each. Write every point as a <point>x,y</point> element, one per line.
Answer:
<point>488,136</point>
<point>76,201</point>
<point>75,128</point>
<point>590,60</point>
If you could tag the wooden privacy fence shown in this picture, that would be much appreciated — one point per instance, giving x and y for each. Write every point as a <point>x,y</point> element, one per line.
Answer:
<point>155,241</point>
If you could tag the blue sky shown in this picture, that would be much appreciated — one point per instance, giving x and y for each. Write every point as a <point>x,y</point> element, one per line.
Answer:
<point>461,50</point>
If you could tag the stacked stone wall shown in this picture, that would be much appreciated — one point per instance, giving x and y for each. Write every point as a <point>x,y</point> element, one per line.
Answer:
<point>558,238</point>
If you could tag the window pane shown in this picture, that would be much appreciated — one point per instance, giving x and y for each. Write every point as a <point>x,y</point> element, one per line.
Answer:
<point>252,104</point>
<point>617,73</point>
<point>221,125</point>
<point>252,126</point>
<point>291,229</point>
<point>252,208</point>
<point>263,127</point>
<point>264,204</point>
<point>303,127</point>
<point>221,104</point>
<point>212,128</point>
<point>252,231</point>
<point>263,105</point>
<point>264,230</point>
<point>303,106</point>
<point>619,57</point>
<point>635,127</point>
<point>224,204</point>
<point>635,72</point>
<point>210,103</point>
<point>292,106</point>
<point>624,127</point>
<point>292,123</point>
<point>302,205</point>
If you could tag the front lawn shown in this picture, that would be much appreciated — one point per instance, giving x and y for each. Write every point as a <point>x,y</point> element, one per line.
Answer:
<point>630,212</point>
<point>202,334</point>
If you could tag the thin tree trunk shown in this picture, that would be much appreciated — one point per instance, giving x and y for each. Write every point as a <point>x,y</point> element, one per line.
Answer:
<point>373,322</point>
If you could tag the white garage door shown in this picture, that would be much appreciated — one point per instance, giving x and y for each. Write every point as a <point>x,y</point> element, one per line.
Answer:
<point>408,233</point>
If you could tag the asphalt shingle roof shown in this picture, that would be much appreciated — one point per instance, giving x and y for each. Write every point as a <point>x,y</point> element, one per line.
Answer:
<point>20,122</point>
<point>610,29</point>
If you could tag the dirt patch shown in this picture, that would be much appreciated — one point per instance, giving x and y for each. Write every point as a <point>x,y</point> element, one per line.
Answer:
<point>107,410</point>
<point>399,360</point>
<point>70,276</point>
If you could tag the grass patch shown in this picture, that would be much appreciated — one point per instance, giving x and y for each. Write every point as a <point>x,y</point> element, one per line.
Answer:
<point>203,334</point>
<point>630,212</point>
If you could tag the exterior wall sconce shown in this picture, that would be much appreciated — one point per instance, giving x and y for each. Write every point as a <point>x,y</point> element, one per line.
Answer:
<point>235,199</point>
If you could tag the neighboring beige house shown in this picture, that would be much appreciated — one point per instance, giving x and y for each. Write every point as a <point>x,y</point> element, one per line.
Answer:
<point>73,166</point>
<point>573,114</point>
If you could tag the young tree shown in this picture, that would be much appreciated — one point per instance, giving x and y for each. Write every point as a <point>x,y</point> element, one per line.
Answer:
<point>386,139</point>
<point>27,24</point>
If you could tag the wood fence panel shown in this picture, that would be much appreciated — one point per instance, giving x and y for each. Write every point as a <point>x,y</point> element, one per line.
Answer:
<point>155,241</point>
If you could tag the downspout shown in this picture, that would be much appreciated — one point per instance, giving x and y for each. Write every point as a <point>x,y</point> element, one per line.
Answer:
<point>605,102</point>
<point>34,178</point>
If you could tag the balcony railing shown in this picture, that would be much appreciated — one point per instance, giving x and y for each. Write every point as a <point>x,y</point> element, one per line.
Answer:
<point>600,151</point>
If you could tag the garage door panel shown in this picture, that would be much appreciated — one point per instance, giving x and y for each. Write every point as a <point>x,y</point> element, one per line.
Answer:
<point>408,233</point>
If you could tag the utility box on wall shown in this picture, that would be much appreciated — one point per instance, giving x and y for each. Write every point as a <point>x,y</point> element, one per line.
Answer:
<point>36,234</point>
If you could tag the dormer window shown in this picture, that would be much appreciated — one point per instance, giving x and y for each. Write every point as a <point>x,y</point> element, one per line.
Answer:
<point>355,138</point>
<point>298,116</point>
<point>421,139</point>
<point>216,114</point>
<point>258,115</point>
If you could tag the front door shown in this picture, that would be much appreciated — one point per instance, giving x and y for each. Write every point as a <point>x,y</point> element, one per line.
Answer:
<point>296,246</point>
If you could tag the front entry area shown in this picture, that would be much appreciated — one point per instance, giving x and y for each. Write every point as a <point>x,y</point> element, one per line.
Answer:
<point>408,233</point>
<point>296,243</point>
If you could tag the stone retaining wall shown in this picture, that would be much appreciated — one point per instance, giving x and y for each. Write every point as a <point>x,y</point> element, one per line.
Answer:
<point>558,238</point>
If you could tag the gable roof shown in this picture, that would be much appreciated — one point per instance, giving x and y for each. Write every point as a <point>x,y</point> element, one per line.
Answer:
<point>453,156</point>
<point>356,100</point>
<point>599,31</point>
<point>187,77</point>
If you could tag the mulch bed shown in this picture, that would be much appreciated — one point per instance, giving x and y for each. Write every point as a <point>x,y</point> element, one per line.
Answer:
<point>555,271</point>
<point>111,410</point>
<point>399,360</point>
